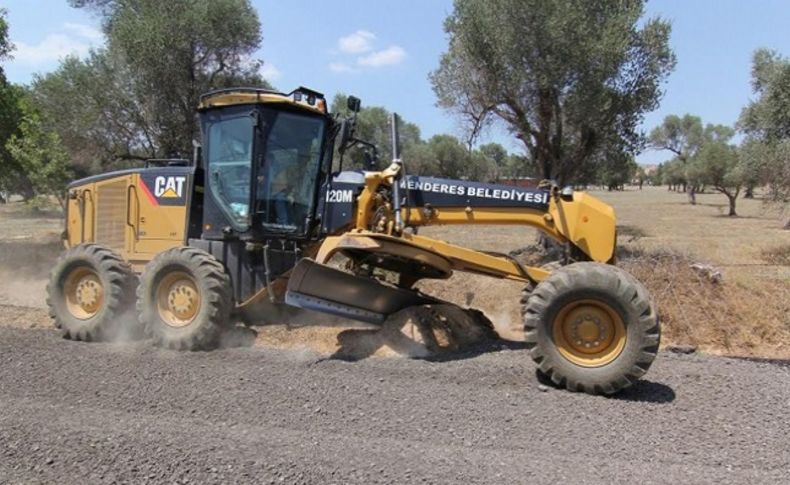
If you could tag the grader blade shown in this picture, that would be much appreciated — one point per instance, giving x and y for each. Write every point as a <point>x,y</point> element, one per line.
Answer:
<point>314,286</point>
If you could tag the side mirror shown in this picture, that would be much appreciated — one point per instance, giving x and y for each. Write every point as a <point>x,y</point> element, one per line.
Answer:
<point>371,163</point>
<point>353,103</point>
<point>344,135</point>
<point>197,150</point>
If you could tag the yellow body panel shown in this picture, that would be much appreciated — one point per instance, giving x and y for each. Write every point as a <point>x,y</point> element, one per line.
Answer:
<point>588,223</point>
<point>583,220</point>
<point>243,97</point>
<point>156,227</point>
<point>122,214</point>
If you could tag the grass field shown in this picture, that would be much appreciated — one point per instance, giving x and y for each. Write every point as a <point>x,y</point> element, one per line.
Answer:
<point>660,236</point>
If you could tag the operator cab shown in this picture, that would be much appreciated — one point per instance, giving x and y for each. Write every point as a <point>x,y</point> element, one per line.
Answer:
<point>265,155</point>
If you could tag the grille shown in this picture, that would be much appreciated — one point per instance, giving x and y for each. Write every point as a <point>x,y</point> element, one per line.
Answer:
<point>111,214</point>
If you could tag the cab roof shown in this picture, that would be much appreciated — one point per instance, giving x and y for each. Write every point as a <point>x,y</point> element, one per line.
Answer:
<point>302,98</point>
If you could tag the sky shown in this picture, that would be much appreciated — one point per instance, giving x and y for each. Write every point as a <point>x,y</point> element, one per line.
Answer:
<point>383,51</point>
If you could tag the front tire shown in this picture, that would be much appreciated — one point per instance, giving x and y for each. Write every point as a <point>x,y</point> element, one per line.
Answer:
<point>90,294</point>
<point>184,299</point>
<point>591,327</point>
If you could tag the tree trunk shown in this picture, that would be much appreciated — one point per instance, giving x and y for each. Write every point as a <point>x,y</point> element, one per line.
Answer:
<point>731,197</point>
<point>692,195</point>
<point>749,192</point>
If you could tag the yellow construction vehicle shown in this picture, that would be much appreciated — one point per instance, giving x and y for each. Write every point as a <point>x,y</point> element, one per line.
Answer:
<point>179,246</point>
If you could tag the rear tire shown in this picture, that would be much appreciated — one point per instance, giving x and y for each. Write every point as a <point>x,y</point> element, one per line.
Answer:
<point>91,293</point>
<point>591,327</point>
<point>184,299</point>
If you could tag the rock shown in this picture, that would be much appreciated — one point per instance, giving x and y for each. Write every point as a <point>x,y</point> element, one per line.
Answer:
<point>543,387</point>
<point>681,349</point>
<point>712,274</point>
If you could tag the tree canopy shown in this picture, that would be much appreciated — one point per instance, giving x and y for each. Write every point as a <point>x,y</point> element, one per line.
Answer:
<point>442,155</point>
<point>39,154</point>
<point>136,98</point>
<point>717,164</point>
<point>373,126</point>
<point>766,123</point>
<point>571,79</point>
<point>5,43</point>
<point>12,176</point>
<point>685,137</point>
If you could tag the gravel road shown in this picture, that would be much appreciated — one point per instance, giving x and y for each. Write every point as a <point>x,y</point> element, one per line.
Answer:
<point>106,413</point>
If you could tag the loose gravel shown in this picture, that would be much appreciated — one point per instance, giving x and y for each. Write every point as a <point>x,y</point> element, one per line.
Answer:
<point>73,412</point>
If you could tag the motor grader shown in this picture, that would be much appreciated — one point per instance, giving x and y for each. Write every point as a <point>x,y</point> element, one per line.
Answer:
<point>175,249</point>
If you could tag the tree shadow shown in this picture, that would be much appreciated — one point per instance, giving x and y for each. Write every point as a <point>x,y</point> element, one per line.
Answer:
<point>725,216</point>
<point>764,360</point>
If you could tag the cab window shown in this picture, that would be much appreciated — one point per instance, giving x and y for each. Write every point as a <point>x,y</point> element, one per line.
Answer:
<point>287,180</point>
<point>229,157</point>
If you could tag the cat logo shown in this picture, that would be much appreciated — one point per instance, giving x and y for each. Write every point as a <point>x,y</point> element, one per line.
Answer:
<point>169,187</point>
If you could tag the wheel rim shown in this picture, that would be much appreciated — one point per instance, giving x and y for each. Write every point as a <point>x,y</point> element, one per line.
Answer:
<point>589,333</point>
<point>178,299</point>
<point>84,293</point>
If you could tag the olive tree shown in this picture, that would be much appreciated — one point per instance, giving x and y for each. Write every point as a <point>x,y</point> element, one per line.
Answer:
<point>718,165</point>
<point>571,79</point>
<point>136,97</point>
<point>766,123</point>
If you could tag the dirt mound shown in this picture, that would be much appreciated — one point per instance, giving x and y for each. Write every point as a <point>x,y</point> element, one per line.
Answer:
<point>715,314</point>
<point>418,332</point>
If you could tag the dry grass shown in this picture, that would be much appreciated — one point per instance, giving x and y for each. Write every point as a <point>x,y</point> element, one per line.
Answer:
<point>726,317</point>
<point>779,255</point>
<point>704,232</point>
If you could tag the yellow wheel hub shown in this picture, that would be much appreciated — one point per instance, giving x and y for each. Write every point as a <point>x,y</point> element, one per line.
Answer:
<point>178,299</point>
<point>84,293</point>
<point>589,333</point>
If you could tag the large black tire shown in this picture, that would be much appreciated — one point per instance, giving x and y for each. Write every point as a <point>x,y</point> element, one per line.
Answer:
<point>91,295</point>
<point>184,299</point>
<point>591,327</point>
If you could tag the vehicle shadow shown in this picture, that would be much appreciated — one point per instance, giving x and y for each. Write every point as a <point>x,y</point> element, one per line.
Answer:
<point>643,390</point>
